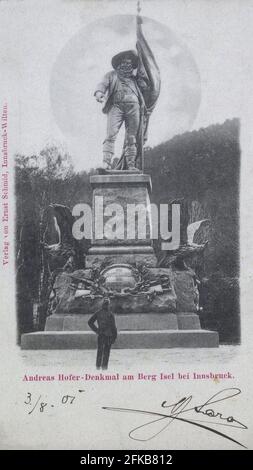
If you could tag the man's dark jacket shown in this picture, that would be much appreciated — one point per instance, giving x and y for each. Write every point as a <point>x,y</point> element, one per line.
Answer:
<point>106,324</point>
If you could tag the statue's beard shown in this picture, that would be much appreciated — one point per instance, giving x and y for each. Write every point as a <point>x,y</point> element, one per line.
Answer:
<point>125,70</point>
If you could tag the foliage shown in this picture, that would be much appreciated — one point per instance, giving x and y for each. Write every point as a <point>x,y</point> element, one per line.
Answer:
<point>40,180</point>
<point>204,167</point>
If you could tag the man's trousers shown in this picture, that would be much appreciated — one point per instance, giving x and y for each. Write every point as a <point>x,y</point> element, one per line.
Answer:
<point>119,113</point>
<point>103,351</point>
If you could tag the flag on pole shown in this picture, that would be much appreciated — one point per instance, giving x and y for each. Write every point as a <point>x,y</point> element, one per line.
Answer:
<point>149,71</point>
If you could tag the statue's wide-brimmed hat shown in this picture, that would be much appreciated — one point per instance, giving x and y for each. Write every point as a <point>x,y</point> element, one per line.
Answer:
<point>125,55</point>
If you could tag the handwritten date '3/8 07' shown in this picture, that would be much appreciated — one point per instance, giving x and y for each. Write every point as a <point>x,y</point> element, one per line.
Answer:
<point>40,405</point>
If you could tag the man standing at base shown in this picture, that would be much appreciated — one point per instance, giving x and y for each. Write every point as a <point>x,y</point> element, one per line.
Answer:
<point>106,331</point>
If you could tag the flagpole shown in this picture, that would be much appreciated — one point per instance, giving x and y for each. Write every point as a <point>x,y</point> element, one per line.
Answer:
<point>138,23</point>
<point>138,8</point>
<point>138,15</point>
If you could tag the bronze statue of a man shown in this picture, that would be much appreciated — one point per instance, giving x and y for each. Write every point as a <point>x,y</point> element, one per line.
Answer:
<point>124,103</point>
<point>129,93</point>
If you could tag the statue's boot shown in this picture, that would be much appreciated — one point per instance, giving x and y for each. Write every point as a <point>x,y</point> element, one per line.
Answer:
<point>130,162</point>
<point>107,160</point>
<point>131,151</point>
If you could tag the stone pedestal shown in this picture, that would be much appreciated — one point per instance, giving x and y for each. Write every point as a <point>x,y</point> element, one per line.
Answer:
<point>121,207</point>
<point>133,322</point>
<point>162,316</point>
<point>152,339</point>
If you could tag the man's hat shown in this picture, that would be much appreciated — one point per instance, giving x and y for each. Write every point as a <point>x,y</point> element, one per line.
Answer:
<point>125,55</point>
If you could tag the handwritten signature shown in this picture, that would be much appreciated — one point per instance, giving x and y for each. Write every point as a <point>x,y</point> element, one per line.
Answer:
<point>176,410</point>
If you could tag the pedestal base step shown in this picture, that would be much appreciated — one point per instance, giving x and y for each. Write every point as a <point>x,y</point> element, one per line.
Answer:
<point>133,321</point>
<point>148,339</point>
